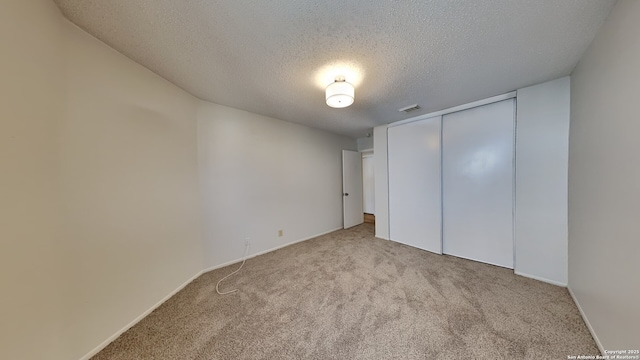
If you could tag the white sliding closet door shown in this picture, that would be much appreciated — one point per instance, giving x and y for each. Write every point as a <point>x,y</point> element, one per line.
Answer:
<point>415,216</point>
<point>477,157</point>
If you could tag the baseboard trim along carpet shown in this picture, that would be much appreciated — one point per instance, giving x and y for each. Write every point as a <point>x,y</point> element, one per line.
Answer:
<point>348,295</point>
<point>586,321</point>
<point>104,344</point>
<point>552,282</point>
<point>267,251</point>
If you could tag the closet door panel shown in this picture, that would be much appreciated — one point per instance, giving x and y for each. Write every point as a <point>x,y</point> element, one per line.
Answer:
<point>415,216</point>
<point>477,158</point>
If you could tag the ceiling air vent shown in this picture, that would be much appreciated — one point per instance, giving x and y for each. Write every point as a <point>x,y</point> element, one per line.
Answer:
<point>410,108</point>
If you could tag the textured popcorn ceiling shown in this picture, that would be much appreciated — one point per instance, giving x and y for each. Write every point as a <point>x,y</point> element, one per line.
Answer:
<point>275,57</point>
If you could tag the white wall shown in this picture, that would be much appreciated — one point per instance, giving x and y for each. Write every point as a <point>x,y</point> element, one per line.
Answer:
<point>542,150</point>
<point>604,180</point>
<point>365,143</point>
<point>259,175</point>
<point>99,206</point>
<point>129,188</point>
<point>381,181</point>
<point>31,105</point>
<point>99,209</point>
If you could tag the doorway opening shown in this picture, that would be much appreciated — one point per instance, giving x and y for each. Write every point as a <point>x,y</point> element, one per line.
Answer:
<point>368,182</point>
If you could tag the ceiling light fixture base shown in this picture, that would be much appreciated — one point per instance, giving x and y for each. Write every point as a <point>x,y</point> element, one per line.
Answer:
<point>340,93</point>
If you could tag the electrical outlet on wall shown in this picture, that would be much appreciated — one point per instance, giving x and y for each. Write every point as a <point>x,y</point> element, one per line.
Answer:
<point>280,232</point>
<point>246,241</point>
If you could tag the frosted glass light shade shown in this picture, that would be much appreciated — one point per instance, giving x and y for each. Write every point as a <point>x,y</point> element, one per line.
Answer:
<point>340,94</point>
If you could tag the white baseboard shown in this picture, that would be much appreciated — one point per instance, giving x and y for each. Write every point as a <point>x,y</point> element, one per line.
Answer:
<point>267,251</point>
<point>552,282</point>
<point>137,320</point>
<point>104,344</point>
<point>586,321</point>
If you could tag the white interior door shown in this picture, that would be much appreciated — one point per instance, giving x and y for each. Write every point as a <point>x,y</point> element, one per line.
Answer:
<point>477,158</point>
<point>415,210</point>
<point>352,188</point>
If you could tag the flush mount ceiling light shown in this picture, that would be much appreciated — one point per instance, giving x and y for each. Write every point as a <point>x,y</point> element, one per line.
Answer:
<point>340,93</point>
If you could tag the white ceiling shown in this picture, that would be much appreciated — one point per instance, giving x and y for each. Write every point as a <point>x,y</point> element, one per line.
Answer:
<point>275,57</point>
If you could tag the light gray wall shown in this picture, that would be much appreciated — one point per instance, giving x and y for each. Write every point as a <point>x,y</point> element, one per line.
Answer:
<point>542,150</point>
<point>259,175</point>
<point>365,143</point>
<point>32,283</point>
<point>128,176</point>
<point>604,180</point>
<point>99,209</point>
<point>99,204</point>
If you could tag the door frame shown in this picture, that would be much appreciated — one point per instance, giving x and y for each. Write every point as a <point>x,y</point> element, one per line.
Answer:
<point>352,186</point>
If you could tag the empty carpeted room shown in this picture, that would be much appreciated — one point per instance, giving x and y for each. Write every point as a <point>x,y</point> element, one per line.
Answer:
<point>319,180</point>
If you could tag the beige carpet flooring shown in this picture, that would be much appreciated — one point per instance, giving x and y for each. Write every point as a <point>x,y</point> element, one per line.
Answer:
<point>348,295</point>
